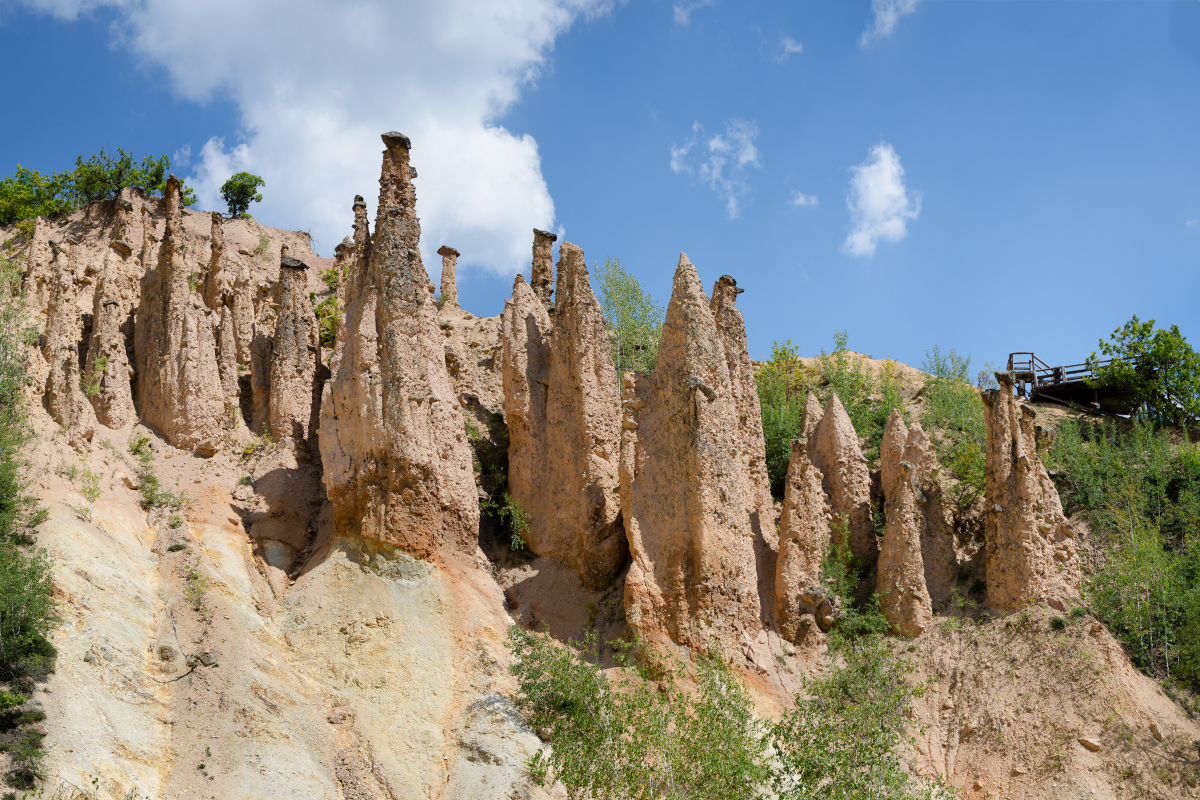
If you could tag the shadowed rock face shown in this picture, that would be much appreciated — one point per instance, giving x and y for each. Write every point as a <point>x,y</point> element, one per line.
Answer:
<point>564,417</point>
<point>295,356</point>
<point>449,284</point>
<point>833,448</point>
<point>684,487</point>
<point>803,540</point>
<point>1031,555</point>
<point>107,359</point>
<point>397,463</point>
<point>67,403</point>
<point>541,278</point>
<point>179,385</point>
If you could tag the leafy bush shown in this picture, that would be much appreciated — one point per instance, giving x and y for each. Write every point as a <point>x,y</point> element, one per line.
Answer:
<point>953,417</point>
<point>240,191</point>
<point>633,319</point>
<point>329,315</point>
<point>1157,366</point>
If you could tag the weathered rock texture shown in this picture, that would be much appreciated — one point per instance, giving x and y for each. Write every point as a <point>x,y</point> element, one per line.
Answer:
<point>397,463</point>
<point>1031,553</point>
<point>834,449</point>
<point>107,359</point>
<point>812,415</point>
<point>752,448</point>
<point>179,384</point>
<point>295,356</point>
<point>449,284</point>
<point>542,276</point>
<point>685,492</point>
<point>803,540</point>
<point>900,577</point>
<point>564,421</point>
<point>64,399</point>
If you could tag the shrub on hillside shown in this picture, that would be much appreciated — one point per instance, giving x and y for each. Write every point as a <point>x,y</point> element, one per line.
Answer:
<point>953,417</point>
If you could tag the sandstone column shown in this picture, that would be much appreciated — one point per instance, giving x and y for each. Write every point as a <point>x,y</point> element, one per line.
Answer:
<point>179,384</point>
<point>803,540</point>
<point>1031,555</point>
<point>397,463</point>
<point>560,389</point>
<point>67,403</point>
<point>684,488</point>
<point>900,575</point>
<point>834,450</point>
<point>107,359</point>
<point>543,265</point>
<point>295,356</point>
<point>449,285</point>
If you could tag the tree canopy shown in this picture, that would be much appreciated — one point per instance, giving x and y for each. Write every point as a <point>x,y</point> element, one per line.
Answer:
<point>1156,365</point>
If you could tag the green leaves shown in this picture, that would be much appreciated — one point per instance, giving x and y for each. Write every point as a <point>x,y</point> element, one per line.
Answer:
<point>240,191</point>
<point>953,416</point>
<point>1157,366</point>
<point>633,319</point>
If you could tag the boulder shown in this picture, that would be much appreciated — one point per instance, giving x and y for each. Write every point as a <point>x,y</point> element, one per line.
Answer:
<point>1031,553</point>
<point>564,417</point>
<point>393,443</point>
<point>685,492</point>
<point>179,386</point>
<point>834,450</point>
<point>803,540</point>
<point>295,357</point>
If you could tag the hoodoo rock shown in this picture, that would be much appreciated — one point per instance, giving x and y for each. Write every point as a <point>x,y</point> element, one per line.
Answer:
<point>900,576</point>
<point>397,463</point>
<point>179,384</point>
<point>241,308</point>
<point>1031,553</point>
<point>107,360</point>
<point>449,284</point>
<point>564,418</point>
<point>833,448</point>
<point>685,491</point>
<point>542,277</point>
<point>803,540</point>
<point>812,415</point>
<point>66,401</point>
<point>751,446</point>
<point>295,356</point>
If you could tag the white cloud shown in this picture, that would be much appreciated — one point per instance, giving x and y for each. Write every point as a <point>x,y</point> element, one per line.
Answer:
<point>887,14</point>
<point>315,87</point>
<point>880,207</point>
<point>182,156</point>
<point>683,11</point>
<point>802,200</point>
<point>788,47</point>
<point>729,156</point>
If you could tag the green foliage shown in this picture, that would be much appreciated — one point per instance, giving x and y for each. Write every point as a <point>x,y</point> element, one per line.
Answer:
<point>329,316</point>
<point>1057,623</point>
<point>25,759</point>
<point>17,508</point>
<point>633,319</point>
<point>29,194</point>
<point>240,191</point>
<point>195,586</point>
<point>953,415</point>
<point>90,381</point>
<point>785,381</point>
<point>26,610</point>
<point>264,244</point>
<point>1157,366</point>
<point>175,548</point>
<point>1143,498</point>
<point>331,278</point>
<point>89,485</point>
<point>153,495</point>
<point>514,515</point>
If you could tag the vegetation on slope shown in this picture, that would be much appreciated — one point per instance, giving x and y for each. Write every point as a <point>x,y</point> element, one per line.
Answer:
<point>1157,367</point>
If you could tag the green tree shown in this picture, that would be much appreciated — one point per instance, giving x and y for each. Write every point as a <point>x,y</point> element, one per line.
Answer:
<point>240,191</point>
<point>29,194</point>
<point>1157,367</point>
<point>633,319</point>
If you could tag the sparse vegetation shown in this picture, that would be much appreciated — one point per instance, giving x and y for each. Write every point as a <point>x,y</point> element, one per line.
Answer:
<point>195,587</point>
<point>329,316</point>
<point>633,319</point>
<point>953,417</point>
<point>154,496</point>
<point>240,191</point>
<point>90,381</point>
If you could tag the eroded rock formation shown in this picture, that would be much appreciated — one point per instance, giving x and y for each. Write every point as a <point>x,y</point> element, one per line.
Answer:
<point>107,365</point>
<point>803,540</point>
<point>66,401</point>
<point>900,576</point>
<point>397,463</point>
<point>833,448</point>
<point>685,491</point>
<point>564,418</point>
<point>1031,553</point>
<point>541,279</point>
<point>179,384</point>
<point>449,284</point>
<point>295,356</point>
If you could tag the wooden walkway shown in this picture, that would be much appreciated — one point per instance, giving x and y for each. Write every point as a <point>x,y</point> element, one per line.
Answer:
<point>1035,379</point>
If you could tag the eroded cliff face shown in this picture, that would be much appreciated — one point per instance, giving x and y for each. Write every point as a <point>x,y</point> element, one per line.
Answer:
<point>685,490</point>
<point>64,397</point>
<point>393,442</point>
<point>1031,552</point>
<point>564,419</point>
<point>295,357</point>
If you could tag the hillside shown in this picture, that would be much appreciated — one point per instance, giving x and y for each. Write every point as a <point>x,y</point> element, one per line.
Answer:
<point>285,587</point>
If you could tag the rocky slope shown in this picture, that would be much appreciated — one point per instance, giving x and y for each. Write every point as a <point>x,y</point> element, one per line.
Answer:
<point>320,611</point>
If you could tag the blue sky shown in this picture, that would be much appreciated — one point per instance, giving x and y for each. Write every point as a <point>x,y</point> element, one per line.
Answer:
<point>1031,168</point>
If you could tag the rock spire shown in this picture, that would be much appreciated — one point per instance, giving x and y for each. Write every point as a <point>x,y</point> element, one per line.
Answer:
<point>66,401</point>
<point>295,356</point>
<point>449,284</point>
<point>541,278</point>
<point>803,540</point>
<point>834,450</point>
<point>564,416</point>
<point>107,366</point>
<point>1031,553</point>
<point>397,463</point>
<point>685,492</point>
